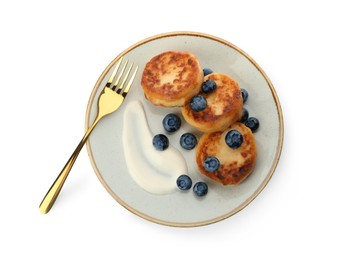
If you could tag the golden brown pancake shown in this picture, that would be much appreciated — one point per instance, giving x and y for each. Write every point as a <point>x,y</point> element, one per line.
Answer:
<point>235,164</point>
<point>224,106</point>
<point>171,78</point>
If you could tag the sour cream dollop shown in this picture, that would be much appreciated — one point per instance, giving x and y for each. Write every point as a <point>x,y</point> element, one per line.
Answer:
<point>155,171</point>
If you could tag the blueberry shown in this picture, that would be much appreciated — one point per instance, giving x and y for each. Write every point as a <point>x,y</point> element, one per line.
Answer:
<point>160,142</point>
<point>188,141</point>
<point>245,115</point>
<point>200,189</point>
<point>207,71</point>
<point>234,139</point>
<point>211,164</point>
<point>252,123</point>
<point>198,103</point>
<point>184,182</point>
<point>245,94</point>
<point>208,86</point>
<point>171,123</point>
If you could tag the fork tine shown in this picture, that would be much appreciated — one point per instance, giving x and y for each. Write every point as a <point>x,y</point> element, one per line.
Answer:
<point>124,79</point>
<point>119,76</point>
<point>126,90</point>
<point>109,82</point>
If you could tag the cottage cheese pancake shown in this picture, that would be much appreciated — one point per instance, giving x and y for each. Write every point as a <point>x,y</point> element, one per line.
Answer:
<point>170,78</point>
<point>224,105</point>
<point>236,163</point>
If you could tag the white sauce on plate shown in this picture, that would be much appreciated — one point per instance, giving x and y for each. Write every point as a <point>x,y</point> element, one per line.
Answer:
<point>155,171</point>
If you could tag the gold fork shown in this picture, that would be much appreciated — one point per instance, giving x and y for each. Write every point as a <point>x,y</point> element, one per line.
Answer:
<point>109,101</point>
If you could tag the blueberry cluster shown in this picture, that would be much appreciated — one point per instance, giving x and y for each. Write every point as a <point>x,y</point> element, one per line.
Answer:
<point>251,122</point>
<point>198,103</point>
<point>184,182</point>
<point>171,123</point>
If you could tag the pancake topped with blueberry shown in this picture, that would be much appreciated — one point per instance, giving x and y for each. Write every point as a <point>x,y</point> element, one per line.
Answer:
<point>217,106</point>
<point>227,157</point>
<point>171,78</point>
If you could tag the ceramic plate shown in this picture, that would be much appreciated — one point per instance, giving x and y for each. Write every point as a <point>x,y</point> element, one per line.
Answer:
<point>184,209</point>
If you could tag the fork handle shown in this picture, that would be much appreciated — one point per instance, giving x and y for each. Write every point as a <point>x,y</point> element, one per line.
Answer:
<point>56,187</point>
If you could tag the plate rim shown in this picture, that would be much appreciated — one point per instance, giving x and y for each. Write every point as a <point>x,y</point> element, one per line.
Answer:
<point>248,200</point>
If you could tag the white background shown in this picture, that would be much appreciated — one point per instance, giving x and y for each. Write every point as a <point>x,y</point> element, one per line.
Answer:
<point>51,55</point>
